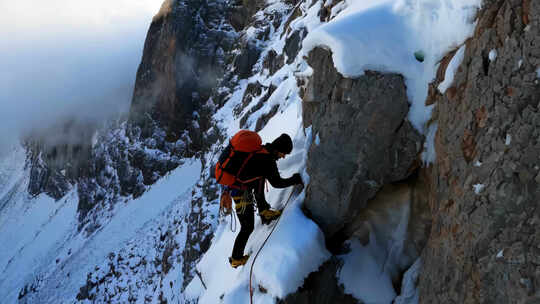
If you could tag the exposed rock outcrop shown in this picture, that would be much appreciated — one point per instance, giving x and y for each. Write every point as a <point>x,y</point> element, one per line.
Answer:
<point>185,55</point>
<point>58,155</point>
<point>365,140</point>
<point>363,172</point>
<point>316,288</point>
<point>484,242</point>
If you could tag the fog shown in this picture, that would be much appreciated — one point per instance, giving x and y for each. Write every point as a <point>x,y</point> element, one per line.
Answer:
<point>68,59</point>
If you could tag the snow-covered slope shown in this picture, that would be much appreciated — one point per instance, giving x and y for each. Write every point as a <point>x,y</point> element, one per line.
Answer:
<point>45,253</point>
<point>374,35</point>
<point>138,254</point>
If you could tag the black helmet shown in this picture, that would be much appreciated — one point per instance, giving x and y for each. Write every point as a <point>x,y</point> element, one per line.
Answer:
<point>282,144</point>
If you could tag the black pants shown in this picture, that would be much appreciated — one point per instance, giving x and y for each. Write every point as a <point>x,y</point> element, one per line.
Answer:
<point>247,221</point>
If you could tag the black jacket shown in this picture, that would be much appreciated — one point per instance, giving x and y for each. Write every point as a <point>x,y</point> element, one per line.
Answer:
<point>265,166</point>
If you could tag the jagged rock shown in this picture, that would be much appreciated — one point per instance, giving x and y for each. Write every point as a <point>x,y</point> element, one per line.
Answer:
<point>243,62</point>
<point>242,13</point>
<point>273,62</point>
<point>293,44</point>
<point>263,119</point>
<point>365,138</point>
<point>185,55</point>
<point>321,287</point>
<point>484,239</point>
<point>58,155</point>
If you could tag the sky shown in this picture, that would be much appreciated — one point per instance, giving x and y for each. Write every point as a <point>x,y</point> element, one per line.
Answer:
<point>71,58</point>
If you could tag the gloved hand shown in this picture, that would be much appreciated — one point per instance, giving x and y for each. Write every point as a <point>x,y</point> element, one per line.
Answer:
<point>297,179</point>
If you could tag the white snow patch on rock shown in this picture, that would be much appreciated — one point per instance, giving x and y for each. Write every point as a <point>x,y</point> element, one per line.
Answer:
<point>492,55</point>
<point>362,274</point>
<point>508,139</point>
<point>429,154</point>
<point>409,293</point>
<point>385,36</point>
<point>478,188</point>
<point>451,70</point>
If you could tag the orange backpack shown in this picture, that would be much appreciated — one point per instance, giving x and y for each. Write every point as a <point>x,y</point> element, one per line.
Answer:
<point>243,145</point>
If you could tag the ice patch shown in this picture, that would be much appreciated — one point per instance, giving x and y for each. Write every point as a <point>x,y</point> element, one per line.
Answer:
<point>362,274</point>
<point>429,153</point>
<point>451,69</point>
<point>492,55</point>
<point>478,188</point>
<point>508,139</point>
<point>409,293</point>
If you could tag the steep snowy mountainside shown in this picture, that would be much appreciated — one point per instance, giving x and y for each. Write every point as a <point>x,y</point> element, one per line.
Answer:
<point>413,123</point>
<point>349,173</point>
<point>48,259</point>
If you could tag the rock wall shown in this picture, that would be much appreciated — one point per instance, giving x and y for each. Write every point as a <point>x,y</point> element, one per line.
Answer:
<point>365,140</point>
<point>484,245</point>
<point>363,171</point>
<point>185,56</point>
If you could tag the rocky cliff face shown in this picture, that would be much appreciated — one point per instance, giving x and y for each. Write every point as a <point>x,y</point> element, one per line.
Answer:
<point>187,52</point>
<point>472,214</point>
<point>363,165</point>
<point>365,140</point>
<point>185,56</point>
<point>485,183</point>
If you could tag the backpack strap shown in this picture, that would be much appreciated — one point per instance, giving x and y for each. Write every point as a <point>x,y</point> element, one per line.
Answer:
<point>263,151</point>
<point>231,154</point>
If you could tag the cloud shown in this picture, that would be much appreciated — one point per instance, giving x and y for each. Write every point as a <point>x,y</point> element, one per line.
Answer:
<point>65,58</point>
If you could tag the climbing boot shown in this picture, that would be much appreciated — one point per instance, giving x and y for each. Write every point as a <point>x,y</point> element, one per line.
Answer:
<point>238,262</point>
<point>268,215</point>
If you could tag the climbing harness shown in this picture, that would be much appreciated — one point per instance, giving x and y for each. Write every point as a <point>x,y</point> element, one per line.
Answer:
<point>240,205</point>
<point>264,243</point>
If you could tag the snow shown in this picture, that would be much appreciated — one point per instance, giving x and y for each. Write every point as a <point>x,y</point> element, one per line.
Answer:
<point>428,155</point>
<point>409,293</point>
<point>40,229</point>
<point>508,139</point>
<point>381,35</point>
<point>478,188</point>
<point>368,270</point>
<point>384,35</point>
<point>283,263</point>
<point>492,55</point>
<point>280,267</point>
<point>363,276</point>
<point>451,69</point>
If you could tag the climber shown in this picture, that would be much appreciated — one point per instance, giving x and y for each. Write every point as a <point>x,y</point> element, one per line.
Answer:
<point>258,168</point>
